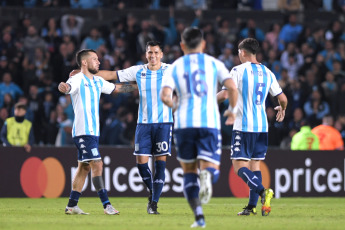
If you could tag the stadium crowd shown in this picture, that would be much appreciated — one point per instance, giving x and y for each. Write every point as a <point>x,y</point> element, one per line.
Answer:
<point>308,61</point>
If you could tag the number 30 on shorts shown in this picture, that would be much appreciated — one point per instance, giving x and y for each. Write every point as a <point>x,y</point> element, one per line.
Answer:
<point>162,146</point>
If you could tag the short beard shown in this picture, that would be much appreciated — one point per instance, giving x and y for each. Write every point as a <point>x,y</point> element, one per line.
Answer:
<point>93,71</point>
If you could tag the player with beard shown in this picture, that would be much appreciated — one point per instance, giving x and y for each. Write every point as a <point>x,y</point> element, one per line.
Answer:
<point>85,89</point>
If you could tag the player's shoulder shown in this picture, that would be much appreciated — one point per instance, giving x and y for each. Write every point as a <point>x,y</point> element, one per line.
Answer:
<point>77,77</point>
<point>164,66</point>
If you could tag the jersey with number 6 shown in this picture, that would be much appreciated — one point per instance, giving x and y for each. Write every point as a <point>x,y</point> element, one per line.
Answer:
<point>253,82</point>
<point>195,78</point>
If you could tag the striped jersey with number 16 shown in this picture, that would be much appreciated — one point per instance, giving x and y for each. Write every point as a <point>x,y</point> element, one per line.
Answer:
<point>85,94</point>
<point>253,82</point>
<point>195,78</point>
<point>151,107</point>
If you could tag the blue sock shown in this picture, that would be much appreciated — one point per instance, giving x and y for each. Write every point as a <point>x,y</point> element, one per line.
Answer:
<point>158,180</point>
<point>73,198</point>
<point>103,195</point>
<point>253,196</point>
<point>146,175</point>
<point>251,180</point>
<point>215,174</point>
<point>191,193</point>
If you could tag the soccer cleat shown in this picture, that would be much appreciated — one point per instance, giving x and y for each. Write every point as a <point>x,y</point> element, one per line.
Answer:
<point>247,212</point>
<point>266,201</point>
<point>153,208</point>
<point>149,203</point>
<point>199,224</point>
<point>110,210</point>
<point>205,192</point>
<point>75,211</point>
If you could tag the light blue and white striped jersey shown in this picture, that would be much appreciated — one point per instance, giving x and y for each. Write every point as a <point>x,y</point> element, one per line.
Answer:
<point>253,82</point>
<point>85,94</point>
<point>151,107</point>
<point>194,76</point>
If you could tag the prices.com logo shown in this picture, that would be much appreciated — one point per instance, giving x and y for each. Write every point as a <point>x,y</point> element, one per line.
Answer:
<point>42,177</point>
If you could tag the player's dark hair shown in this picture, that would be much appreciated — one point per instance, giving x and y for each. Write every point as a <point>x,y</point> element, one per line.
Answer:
<point>154,43</point>
<point>82,54</point>
<point>249,44</point>
<point>192,37</point>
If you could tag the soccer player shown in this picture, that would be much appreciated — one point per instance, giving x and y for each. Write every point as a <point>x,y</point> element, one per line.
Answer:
<point>85,89</point>
<point>155,120</point>
<point>197,123</point>
<point>249,140</point>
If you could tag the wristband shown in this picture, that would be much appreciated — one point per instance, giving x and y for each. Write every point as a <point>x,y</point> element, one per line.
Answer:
<point>233,109</point>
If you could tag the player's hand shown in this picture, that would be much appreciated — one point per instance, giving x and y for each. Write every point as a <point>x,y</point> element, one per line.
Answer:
<point>27,148</point>
<point>231,117</point>
<point>64,87</point>
<point>280,114</point>
<point>74,72</point>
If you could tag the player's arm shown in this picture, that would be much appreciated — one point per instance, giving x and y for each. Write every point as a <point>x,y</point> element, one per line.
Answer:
<point>282,100</point>
<point>232,95</point>
<point>166,96</point>
<point>222,96</point>
<point>64,87</point>
<point>125,88</point>
<point>105,74</point>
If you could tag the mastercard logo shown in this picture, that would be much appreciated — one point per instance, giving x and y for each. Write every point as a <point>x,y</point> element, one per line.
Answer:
<point>239,188</point>
<point>42,178</point>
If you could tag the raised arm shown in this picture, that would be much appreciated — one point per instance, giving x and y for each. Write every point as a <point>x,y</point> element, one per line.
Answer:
<point>107,75</point>
<point>125,88</point>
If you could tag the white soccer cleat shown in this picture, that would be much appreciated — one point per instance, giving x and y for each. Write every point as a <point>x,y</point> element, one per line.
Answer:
<point>110,210</point>
<point>205,192</point>
<point>75,211</point>
<point>199,224</point>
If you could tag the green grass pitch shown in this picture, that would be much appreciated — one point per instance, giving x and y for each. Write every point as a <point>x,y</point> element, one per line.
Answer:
<point>287,213</point>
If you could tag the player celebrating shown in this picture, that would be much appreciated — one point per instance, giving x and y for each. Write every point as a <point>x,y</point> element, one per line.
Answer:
<point>85,89</point>
<point>154,125</point>
<point>249,141</point>
<point>197,125</point>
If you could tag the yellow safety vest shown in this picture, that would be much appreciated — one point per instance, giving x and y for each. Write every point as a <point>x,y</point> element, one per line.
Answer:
<point>18,133</point>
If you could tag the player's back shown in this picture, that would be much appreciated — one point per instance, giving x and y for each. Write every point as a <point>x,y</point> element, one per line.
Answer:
<point>254,82</point>
<point>195,76</point>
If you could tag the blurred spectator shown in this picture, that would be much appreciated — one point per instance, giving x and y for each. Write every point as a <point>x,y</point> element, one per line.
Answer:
<point>330,55</point>
<point>8,103</point>
<point>334,32</point>
<point>296,122</point>
<point>227,57</point>
<point>17,131</point>
<point>286,142</point>
<point>85,4</point>
<point>7,86</point>
<point>93,41</point>
<point>7,46</point>
<point>273,36</point>
<point>64,136</point>
<point>292,60</point>
<point>289,5</point>
<point>144,36</point>
<point>4,68</point>
<point>316,108</point>
<point>52,34</point>
<point>330,138</point>
<point>50,129</point>
<point>71,25</point>
<point>289,32</point>
<point>195,4</point>
<point>313,4</point>
<point>252,31</point>
<point>31,42</point>
<point>273,63</point>
<point>339,5</point>
<point>275,129</point>
<point>305,139</point>
<point>338,72</point>
<point>340,98</point>
<point>3,117</point>
<point>249,4</point>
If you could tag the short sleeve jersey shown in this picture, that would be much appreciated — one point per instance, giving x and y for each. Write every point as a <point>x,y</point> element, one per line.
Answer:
<point>254,82</point>
<point>195,78</point>
<point>151,107</point>
<point>85,94</point>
